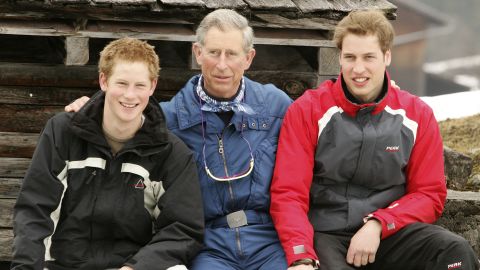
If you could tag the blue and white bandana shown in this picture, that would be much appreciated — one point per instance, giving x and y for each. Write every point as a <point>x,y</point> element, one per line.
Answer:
<point>212,105</point>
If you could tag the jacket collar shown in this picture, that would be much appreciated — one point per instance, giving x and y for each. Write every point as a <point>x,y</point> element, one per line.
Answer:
<point>187,106</point>
<point>87,124</point>
<point>352,108</point>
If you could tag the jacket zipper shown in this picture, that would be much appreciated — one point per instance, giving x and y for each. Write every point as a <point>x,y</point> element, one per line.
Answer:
<point>221,151</point>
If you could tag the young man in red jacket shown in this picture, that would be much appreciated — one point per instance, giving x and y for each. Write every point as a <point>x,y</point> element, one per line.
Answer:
<point>359,174</point>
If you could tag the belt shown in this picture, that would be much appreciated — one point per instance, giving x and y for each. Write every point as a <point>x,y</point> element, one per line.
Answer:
<point>240,218</point>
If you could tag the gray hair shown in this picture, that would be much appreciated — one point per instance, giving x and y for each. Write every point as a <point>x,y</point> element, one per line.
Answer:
<point>225,19</point>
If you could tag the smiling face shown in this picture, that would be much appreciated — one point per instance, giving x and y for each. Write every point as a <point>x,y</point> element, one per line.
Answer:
<point>363,66</point>
<point>223,61</point>
<point>127,92</point>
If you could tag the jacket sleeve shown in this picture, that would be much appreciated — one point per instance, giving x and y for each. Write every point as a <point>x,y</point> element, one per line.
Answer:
<point>36,210</point>
<point>180,225</point>
<point>426,187</point>
<point>292,178</point>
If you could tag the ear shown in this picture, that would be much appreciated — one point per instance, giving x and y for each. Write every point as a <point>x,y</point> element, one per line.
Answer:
<point>103,81</point>
<point>388,57</point>
<point>249,57</point>
<point>197,51</point>
<point>154,85</point>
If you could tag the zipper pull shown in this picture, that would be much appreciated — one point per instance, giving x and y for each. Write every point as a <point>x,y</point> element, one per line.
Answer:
<point>220,146</point>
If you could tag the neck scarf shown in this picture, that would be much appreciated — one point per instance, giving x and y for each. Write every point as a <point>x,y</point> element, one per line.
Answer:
<point>235,105</point>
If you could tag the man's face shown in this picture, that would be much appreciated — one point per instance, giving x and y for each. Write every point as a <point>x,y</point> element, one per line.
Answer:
<point>127,91</point>
<point>363,66</point>
<point>223,61</point>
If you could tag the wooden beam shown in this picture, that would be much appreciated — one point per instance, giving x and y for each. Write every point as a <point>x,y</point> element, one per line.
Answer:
<point>328,61</point>
<point>6,242</point>
<point>36,27</point>
<point>6,212</point>
<point>232,4</point>
<point>269,20</point>
<point>17,144</point>
<point>26,118</point>
<point>292,37</point>
<point>77,51</point>
<point>182,3</point>
<point>14,167</point>
<point>272,5</point>
<point>10,187</point>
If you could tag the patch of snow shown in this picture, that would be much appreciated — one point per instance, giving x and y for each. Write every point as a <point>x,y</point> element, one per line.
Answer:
<point>454,105</point>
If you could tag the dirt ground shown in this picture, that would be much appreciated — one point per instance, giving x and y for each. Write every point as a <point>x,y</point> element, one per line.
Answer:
<point>463,135</point>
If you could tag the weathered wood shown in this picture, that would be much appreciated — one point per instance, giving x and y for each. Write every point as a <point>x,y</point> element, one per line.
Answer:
<point>293,37</point>
<point>328,61</point>
<point>14,167</point>
<point>6,212</point>
<point>232,4</point>
<point>48,75</point>
<point>17,145</point>
<point>6,242</point>
<point>125,2</point>
<point>141,30</point>
<point>36,27</point>
<point>277,21</point>
<point>26,118</point>
<point>30,95</point>
<point>181,3</point>
<point>271,5</point>
<point>77,51</point>
<point>10,187</point>
<point>308,6</point>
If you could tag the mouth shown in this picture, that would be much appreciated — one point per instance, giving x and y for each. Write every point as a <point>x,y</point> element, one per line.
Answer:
<point>360,81</point>
<point>129,105</point>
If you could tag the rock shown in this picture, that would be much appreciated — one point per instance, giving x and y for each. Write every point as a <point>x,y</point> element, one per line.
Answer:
<point>462,216</point>
<point>474,181</point>
<point>458,168</point>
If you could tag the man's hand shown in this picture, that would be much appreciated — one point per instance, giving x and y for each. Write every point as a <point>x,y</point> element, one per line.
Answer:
<point>125,267</point>
<point>301,267</point>
<point>364,244</point>
<point>76,105</point>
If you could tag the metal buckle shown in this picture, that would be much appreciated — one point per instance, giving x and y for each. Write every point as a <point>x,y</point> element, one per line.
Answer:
<point>237,219</point>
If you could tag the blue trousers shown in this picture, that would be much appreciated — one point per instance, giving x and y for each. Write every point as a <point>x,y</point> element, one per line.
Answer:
<point>252,247</point>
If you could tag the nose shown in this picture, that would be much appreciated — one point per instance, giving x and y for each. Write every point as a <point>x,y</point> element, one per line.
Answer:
<point>359,66</point>
<point>129,91</point>
<point>222,61</point>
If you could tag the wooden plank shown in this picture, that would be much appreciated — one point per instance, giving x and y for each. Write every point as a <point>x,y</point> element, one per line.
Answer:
<point>182,3</point>
<point>31,95</point>
<point>272,5</point>
<point>18,145</point>
<point>293,37</point>
<point>36,27</point>
<point>6,212</point>
<point>14,167</point>
<point>125,2</point>
<point>26,118</point>
<point>77,51</point>
<point>141,30</point>
<point>6,242</point>
<point>277,21</point>
<point>41,75</point>
<point>232,4</point>
<point>328,61</point>
<point>309,6</point>
<point>10,187</point>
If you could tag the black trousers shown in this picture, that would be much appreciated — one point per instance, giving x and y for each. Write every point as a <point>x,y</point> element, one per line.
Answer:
<point>418,246</point>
